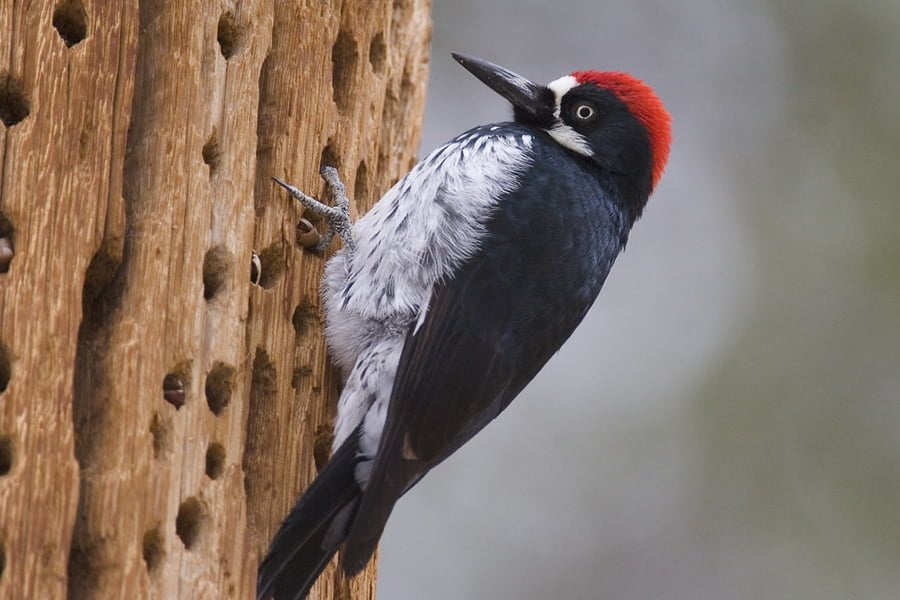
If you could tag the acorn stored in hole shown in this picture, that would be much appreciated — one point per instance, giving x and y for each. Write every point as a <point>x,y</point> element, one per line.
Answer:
<point>6,254</point>
<point>173,390</point>
<point>307,236</point>
<point>255,268</point>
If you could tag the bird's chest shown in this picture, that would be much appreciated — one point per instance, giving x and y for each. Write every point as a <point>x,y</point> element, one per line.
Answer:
<point>430,223</point>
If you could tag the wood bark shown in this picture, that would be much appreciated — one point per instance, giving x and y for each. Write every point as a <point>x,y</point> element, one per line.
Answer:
<point>159,413</point>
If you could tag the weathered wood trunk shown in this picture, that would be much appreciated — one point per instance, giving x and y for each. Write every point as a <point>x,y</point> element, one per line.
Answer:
<point>159,413</point>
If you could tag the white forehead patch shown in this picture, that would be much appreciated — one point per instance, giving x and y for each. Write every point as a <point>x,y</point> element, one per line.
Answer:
<point>559,87</point>
<point>562,133</point>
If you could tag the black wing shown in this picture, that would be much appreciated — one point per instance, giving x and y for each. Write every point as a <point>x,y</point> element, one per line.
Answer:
<point>488,331</point>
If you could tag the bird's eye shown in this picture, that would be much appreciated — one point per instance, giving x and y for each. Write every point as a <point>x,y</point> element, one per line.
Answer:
<point>584,111</point>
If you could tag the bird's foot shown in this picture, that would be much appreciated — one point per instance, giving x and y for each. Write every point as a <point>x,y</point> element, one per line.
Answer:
<point>338,215</point>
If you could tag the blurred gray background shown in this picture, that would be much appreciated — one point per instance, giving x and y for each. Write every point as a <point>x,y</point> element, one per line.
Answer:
<point>724,425</point>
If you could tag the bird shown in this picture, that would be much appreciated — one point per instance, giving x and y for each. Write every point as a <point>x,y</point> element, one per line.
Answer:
<point>453,291</point>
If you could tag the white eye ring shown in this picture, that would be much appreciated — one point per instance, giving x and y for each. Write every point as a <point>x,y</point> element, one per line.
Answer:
<point>584,112</point>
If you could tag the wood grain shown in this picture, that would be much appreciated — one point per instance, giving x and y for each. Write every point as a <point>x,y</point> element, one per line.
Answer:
<point>159,413</point>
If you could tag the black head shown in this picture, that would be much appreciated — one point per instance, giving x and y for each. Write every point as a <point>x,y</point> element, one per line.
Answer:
<point>609,118</point>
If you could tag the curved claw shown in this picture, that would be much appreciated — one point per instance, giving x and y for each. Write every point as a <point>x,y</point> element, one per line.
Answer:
<point>283,184</point>
<point>338,216</point>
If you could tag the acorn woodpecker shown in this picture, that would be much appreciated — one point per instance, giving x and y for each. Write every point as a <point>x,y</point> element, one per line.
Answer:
<point>449,296</point>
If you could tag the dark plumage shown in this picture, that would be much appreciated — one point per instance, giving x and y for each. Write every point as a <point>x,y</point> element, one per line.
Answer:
<point>566,185</point>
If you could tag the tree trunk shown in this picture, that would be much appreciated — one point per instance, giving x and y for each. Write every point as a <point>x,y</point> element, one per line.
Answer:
<point>159,413</point>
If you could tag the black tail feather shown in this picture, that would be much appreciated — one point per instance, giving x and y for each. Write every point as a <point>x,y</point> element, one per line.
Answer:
<point>313,530</point>
<point>391,476</point>
<point>297,577</point>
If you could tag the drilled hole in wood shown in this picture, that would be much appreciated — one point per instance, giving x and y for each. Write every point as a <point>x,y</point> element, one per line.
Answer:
<point>176,384</point>
<point>264,381</point>
<point>161,432</point>
<point>153,548</point>
<point>211,152</point>
<point>216,268</point>
<point>361,183</point>
<point>344,55</point>
<point>215,460</point>
<point>305,315</point>
<point>99,291</point>
<point>219,386</point>
<point>322,445</point>
<point>377,53</point>
<point>190,522</point>
<point>330,157</point>
<point>5,368</point>
<point>272,261</point>
<point>14,104</point>
<point>6,454</point>
<point>70,21</point>
<point>7,249</point>
<point>228,35</point>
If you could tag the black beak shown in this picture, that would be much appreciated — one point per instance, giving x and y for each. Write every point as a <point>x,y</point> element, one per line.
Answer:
<point>534,100</point>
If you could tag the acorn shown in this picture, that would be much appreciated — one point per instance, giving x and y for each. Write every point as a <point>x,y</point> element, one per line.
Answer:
<point>6,253</point>
<point>307,236</point>
<point>255,268</point>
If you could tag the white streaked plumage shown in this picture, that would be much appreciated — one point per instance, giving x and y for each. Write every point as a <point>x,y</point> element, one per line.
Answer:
<point>418,233</point>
